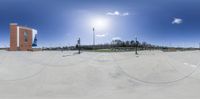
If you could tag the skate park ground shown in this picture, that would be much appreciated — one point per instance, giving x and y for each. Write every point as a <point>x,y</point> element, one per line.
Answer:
<point>99,75</point>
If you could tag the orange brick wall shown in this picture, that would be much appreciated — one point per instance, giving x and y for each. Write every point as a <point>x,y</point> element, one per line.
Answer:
<point>23,46</point>
<point>13,37</point>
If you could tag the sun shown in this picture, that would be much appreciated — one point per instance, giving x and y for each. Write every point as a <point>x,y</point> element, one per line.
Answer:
<point>100,23</point>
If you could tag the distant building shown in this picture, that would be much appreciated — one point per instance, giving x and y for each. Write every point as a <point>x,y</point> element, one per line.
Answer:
<point>22,38</point>
<point>116,42</point>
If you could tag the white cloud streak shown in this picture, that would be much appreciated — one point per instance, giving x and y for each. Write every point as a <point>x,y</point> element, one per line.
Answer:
<point>177,21</point>
<point>116,38</point>
<point>117,13</point>
<point>125,14</point>
<point>102,35</point>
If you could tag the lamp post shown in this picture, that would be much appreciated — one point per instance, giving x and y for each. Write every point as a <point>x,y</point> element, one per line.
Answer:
<point>79,45</point>
<point>136,43</point>
<point>136,46</point>
<point>93,37</point>
<point>199,46</point>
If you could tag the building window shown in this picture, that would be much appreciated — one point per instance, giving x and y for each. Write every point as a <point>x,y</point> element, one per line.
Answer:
<point>25,37</point>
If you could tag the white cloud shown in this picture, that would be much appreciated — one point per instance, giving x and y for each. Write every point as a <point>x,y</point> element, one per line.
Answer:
<point>125,14</point>
<point>116,38</point>
<point>117,13</point>
<point>177,21</point>
<point>102,35</point>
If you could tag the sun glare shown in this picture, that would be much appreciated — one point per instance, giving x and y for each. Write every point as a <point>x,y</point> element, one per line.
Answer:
<point>100,23</point>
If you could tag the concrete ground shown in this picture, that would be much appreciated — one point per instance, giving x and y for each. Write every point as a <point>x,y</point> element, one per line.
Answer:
<point>93,75</point>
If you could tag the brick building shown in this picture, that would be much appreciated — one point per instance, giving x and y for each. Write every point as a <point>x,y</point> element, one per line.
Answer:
<point>21,38</point>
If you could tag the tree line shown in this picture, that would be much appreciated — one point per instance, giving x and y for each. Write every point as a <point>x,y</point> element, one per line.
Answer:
<point>119,45</point>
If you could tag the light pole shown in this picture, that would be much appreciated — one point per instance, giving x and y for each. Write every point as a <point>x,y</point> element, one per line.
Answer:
<point>93,37</point>
<point>136,46</point>
<point>199,46</point>
<point>79,45</point>
<point>136,43</point>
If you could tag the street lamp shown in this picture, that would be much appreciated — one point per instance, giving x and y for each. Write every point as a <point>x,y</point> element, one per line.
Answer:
<point>199,46</point>
<point>136,46</point>
<point>93,37</point>
<point>79,46</point>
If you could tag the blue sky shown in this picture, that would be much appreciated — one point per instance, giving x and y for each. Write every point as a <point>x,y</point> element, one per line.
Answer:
<point>62,22</point>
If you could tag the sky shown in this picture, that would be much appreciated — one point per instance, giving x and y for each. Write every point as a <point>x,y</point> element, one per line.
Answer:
<point>62,22</point>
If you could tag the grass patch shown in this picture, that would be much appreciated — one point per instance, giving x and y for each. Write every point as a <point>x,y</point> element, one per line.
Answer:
<point>104,50</point>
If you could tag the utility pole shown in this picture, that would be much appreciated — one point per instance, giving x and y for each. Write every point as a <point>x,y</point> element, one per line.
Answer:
<point>136,46</point>
<point>93,37</point>
<point>199,46</point>
<point>79,46</point>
